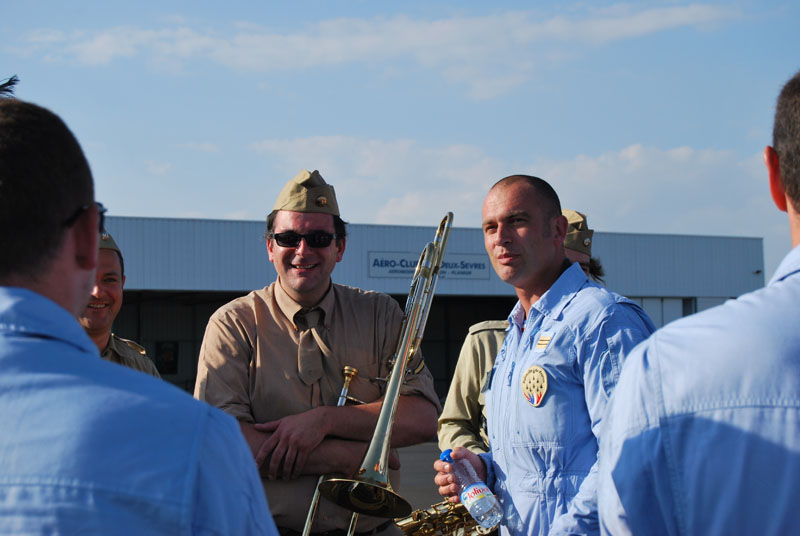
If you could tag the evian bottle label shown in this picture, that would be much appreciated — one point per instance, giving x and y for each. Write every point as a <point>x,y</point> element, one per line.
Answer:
<point>473,493</point>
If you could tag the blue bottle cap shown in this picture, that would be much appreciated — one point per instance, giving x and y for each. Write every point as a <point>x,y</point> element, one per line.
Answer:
<point>445,456</point>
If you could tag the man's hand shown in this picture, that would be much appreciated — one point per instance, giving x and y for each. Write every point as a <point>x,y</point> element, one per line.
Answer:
<point>444,477</point>
<point>291,441</point>
<point>331,456</point>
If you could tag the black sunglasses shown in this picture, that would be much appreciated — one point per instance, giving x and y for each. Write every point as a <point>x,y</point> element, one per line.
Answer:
<point>101,211</point>
<point>315,239</point>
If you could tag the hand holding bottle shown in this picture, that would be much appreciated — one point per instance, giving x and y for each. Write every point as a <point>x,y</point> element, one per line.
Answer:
<point>472,491</point>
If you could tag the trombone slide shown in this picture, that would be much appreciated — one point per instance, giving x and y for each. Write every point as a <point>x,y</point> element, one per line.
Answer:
<point>369,491</point>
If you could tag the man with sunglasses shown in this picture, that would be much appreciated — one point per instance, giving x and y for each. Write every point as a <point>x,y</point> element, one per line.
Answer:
<point>274,359</point>
<point>87,446</point>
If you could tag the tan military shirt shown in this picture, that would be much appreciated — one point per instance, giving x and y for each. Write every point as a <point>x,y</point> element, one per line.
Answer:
<point>463,419</point>
<point>129,354</point>
<point>248,367</point>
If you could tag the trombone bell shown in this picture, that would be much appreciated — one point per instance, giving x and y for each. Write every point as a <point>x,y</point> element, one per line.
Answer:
<point>372,499</point>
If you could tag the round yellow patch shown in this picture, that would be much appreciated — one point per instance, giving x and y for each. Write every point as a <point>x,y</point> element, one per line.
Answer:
<point>534,385</point>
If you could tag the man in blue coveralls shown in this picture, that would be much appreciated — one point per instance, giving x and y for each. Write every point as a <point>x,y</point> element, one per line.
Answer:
<point>555,371</point>
<point>703,431</point>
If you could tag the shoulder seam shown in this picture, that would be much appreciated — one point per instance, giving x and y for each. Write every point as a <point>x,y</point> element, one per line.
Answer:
<point>486,325</point>
<point>134,345</point>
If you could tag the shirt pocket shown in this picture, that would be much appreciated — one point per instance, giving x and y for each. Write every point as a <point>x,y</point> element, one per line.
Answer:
<point>558,486</point>
<point>551,424</point>
<point>532,474</point>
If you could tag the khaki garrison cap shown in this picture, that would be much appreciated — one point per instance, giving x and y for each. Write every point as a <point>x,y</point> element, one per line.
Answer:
<point>579,236</point>
<point>308,192</point>
<point>107,242</point>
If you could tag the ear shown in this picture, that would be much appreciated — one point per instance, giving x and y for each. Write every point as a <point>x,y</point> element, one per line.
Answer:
<point>775,182</point>
<point>560,225</point>
<point>86,236</point>
<point>269,250</point>
<point>340,245</point>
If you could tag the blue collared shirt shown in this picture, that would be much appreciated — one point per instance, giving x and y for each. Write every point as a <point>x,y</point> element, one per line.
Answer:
<point>91,447</point>
<point>542,456</point>
<point>703,431</point>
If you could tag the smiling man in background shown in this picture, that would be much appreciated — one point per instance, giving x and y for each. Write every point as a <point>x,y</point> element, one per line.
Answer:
<point>103,308</point>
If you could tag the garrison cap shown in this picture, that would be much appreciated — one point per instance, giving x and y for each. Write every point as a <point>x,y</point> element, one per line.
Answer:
<point>579,236</point>
<point>107,242</point>
<point>308,192</point>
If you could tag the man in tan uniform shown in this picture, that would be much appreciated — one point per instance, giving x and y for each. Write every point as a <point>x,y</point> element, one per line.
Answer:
<point>103,307</point>
<point>578,244</point>
<point>274,359</point>
<point>463,419</point>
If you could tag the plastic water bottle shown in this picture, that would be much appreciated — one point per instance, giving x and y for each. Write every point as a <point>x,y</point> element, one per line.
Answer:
<point>475,495</point>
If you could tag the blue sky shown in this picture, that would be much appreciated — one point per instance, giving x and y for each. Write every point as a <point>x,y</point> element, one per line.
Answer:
<point>649,116</point>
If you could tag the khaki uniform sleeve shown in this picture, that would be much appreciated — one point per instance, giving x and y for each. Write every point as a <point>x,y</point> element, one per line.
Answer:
<point>130,354</point>
<point>462,421</point>
<point>223,368</point>
<point>143,362</point>
<point>148,366</point>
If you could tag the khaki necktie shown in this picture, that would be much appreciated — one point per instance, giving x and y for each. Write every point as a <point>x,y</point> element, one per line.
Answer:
<point>310,346</point>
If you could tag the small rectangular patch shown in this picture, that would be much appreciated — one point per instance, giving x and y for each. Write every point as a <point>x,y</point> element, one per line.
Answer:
<point>543,342</point>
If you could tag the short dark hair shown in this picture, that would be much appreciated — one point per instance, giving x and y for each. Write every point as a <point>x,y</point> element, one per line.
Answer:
<point>339,226</point>
<point>596,270</point>
<point>551,204</point>
<point>786,138</point>
<point>45,184</point>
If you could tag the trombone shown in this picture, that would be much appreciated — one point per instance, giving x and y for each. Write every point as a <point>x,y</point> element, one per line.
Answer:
<point>369,491</point>
<point>349,375</point>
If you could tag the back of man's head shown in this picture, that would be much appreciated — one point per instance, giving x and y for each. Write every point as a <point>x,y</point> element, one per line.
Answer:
<point>44,183</point>
<point>786,138</point>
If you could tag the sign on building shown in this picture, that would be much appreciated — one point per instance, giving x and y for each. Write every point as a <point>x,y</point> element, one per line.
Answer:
<point>402,265</point>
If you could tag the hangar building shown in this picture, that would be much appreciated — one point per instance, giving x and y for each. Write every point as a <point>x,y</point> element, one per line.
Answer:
<point>179,271</point>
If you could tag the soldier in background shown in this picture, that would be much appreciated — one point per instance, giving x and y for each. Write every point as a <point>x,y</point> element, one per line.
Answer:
<point>463,419</point>
<point>578,245</point>
<point>103,307</point>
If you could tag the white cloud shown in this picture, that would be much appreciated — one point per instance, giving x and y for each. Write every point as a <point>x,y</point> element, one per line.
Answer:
<point>680,190</point>
<point>392,182</point>
<point>489,54</point>
<point>657,190</point>
<point>633,187</point>
<point>46,36</point>
<point>106,46</point>
<point>158,168</point>
<point>202,147</point>
<point>622,23</point>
